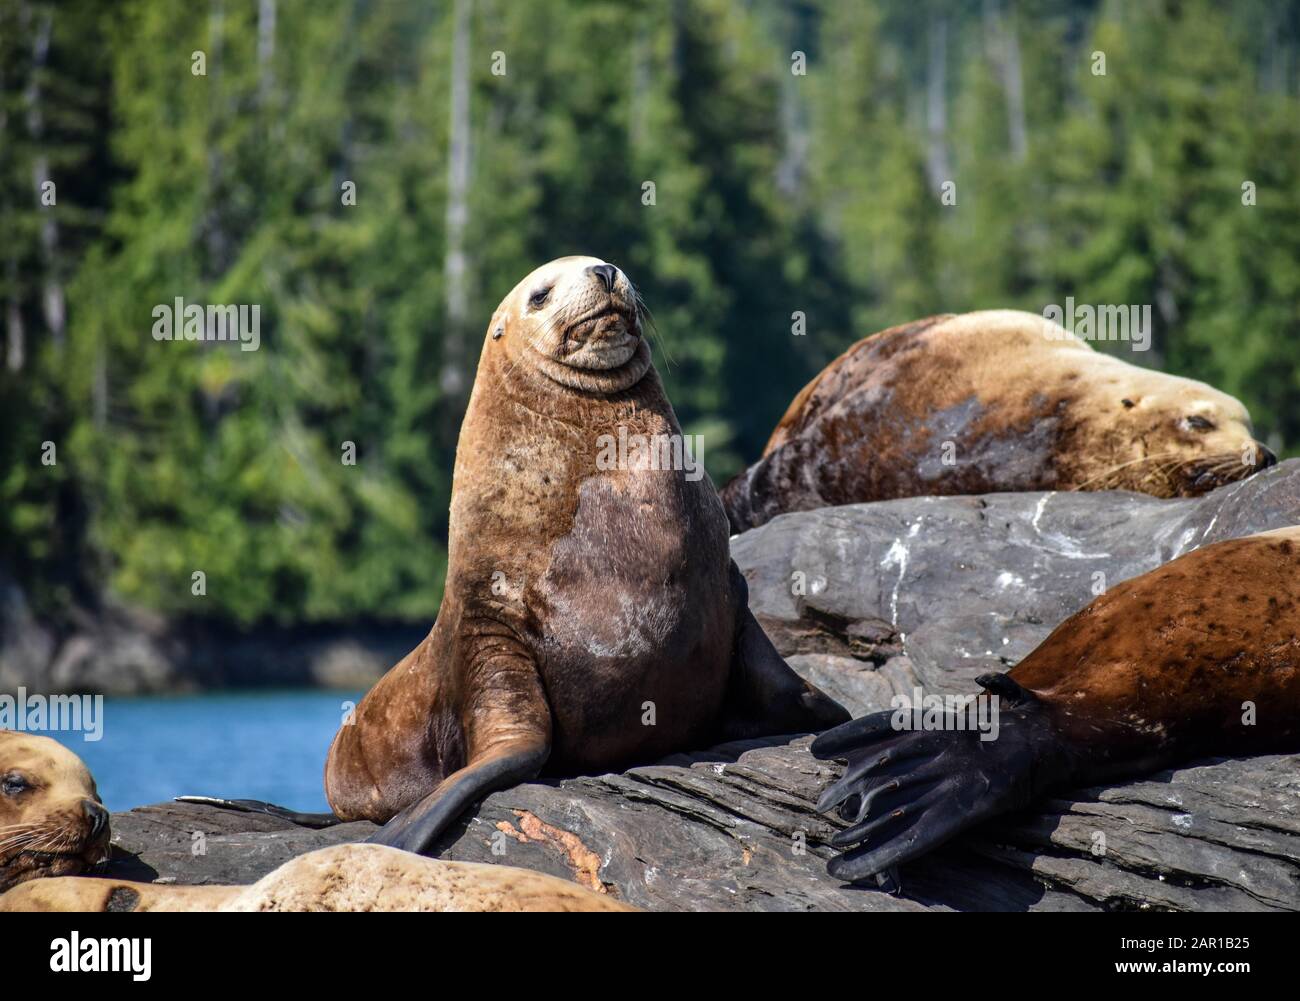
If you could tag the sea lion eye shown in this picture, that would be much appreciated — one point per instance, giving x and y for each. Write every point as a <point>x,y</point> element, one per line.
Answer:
<point>1128,404</point>
<point>12,784</point>
<point>538,298</point>
<point>1198,423</point>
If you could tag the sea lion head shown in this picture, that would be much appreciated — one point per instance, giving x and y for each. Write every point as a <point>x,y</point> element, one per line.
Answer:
<point>1171,436</point>
<point>52,822</point>
<point>578,321</point>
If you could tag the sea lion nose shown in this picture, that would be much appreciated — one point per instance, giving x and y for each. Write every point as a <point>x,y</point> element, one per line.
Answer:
<point>97,816</point>
<point>607,274</point>
<point>1267,457</point>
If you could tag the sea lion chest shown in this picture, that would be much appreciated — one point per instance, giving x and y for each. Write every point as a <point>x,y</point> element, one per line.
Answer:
<point>636,617</point>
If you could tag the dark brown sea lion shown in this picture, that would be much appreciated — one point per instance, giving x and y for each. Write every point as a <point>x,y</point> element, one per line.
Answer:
<point>592,617</point>
<point>1198,657</point>
<point>988,402</point>
<point>52,822</point>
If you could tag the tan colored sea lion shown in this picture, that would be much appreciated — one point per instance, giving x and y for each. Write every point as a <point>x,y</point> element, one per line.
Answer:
<point>592,617</point>
<point>1199,657</point>
<point>988,402</point>
<point>52,822</point>
<point>340,878</point>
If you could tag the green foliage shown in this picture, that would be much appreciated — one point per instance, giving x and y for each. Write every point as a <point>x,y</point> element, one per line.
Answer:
<point>775,196</point>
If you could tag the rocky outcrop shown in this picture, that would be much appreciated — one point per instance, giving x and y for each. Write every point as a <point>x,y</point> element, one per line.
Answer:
<point>735,829</point>
<point>871,597</point>
<point>120,651</point>
<point>867,601</point>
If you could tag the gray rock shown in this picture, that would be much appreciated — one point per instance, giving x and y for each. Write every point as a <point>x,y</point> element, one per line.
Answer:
<point>922,591</point>
<point>735,829</point>
<point>967,585</point>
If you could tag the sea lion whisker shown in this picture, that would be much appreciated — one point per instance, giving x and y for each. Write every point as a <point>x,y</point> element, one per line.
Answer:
<point>1115,470</point>
<point>647,321</point>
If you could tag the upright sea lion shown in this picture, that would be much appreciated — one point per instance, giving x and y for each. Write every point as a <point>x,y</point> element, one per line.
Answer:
<point>52,822</point>
<point>592,616</point>
<point>988,402</point>
<point>1198,657</point>
<point>340,878</point>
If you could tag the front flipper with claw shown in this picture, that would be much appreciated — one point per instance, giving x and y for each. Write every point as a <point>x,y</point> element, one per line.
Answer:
<point>907,791</point>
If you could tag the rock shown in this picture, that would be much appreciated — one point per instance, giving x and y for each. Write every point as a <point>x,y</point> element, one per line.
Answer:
<point>735,829</point>
<point>25,645</point>
<point>966,585</point>
<point>921,591</point>
<point>124,651</point>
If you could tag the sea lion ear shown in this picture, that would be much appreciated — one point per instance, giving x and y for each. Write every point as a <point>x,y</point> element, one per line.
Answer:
<point>498,330</point>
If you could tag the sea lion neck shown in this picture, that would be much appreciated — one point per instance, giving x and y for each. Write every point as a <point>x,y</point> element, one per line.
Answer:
<point>575,396</point>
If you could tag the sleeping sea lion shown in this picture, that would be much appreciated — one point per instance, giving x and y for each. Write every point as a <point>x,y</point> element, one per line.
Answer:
<point>351,877</point>
<point>52,822</point>
<point>989,402</point>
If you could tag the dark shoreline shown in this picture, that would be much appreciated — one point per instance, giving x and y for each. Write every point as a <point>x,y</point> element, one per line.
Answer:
<point>121,651</point>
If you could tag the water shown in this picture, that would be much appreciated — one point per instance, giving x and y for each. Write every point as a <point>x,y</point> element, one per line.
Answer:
<point>239,745</point>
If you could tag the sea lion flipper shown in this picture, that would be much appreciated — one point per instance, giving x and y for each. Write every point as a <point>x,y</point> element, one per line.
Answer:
<point>507,741</point>
<point>315,821</point>
<point>906,791</point>
<point>417,827</point>
<point>764,696</point>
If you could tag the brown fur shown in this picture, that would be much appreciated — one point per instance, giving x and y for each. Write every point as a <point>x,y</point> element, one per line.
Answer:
<point>1025,405</point>
<point>575,596</point>
<point>46,827</point>
<point>1159,668</point>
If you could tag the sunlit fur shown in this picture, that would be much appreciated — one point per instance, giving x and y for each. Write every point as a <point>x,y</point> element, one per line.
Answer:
<point>582,335</point>
<point>45,829</point>
<point>991,402</point>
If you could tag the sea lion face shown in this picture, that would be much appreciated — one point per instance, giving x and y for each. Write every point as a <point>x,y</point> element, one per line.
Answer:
<point>1176,437</point>
<point>52,822</point>
<point>578,320</point>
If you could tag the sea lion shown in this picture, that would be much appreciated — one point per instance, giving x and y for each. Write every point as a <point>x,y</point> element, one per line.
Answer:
<point>350,877</point>
<point>1198,657</point>
<point>592,616</point>
<point>988,402</point>
<point>52,822</point>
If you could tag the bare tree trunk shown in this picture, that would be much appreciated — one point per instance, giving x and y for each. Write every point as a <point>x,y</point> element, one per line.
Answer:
<point>790,171</point>
<point>15,336</point>
<point>99,387</point>
<point>1005,45</point>
<point>265,48</point>
<point>937,103</point>
<point>454,378</point>
<point>52,299</point>
<point>215,237</point>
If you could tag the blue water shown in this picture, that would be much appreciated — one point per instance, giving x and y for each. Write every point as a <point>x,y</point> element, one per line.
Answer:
<point>240,745</point>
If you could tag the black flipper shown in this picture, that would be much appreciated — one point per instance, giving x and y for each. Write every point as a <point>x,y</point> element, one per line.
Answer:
<point>907,791</point>
<point>316,821</point>
<point>417,827</point>
<point>764,695</point>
